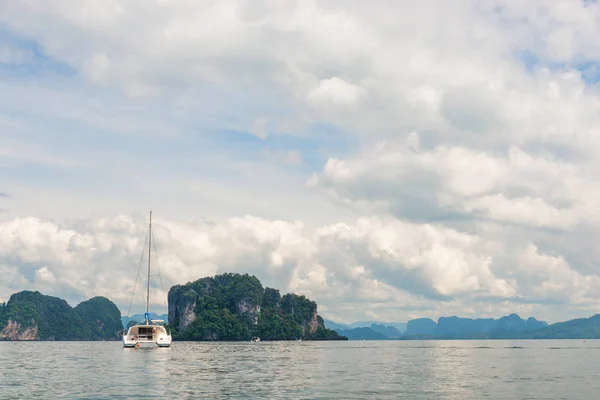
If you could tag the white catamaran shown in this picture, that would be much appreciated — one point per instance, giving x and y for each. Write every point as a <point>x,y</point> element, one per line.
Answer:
<point>148,331</point>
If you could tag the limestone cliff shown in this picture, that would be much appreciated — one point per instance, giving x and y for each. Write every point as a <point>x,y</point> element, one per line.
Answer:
<point>236,307</point>
<point>224,307</point>
<point>248,310</point>
<point>181,307</point>
<point>14,331</point>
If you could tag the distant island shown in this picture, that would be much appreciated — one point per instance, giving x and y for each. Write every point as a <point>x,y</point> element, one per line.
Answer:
<point>449,328</point>
<point>33,316</point>
<point>508,327</point>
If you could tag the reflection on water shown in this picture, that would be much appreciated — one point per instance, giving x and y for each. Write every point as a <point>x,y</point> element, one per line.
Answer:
<point>303,370</point>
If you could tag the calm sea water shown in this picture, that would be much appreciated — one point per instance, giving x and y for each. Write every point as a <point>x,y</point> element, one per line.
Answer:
<point>507,369</point>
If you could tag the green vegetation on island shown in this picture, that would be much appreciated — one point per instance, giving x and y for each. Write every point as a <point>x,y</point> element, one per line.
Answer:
<point>101,318</point>
<point>33,316</point>
<point>237,307</point>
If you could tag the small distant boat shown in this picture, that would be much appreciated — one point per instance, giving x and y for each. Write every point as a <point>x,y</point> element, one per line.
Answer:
<point>255,339</point>
<point>149,331</point>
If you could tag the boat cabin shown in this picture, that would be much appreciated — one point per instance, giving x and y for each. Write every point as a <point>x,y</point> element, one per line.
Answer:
<point>145,332</point>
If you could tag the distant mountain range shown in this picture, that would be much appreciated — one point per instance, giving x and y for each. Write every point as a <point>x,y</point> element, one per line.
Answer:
<point>368,330</point>
<point>508,327</point>
<point>399,326</point>
<point>581,328</point>
<point>362,333</point>
<point>511,326</point>
<point>140,317</point>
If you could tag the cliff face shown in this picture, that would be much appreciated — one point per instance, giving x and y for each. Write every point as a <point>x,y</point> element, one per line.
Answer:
<point>420,326</point>
<point>303,310</point>
<point>14,331</point>
<point>182,304</point>
<point>224,307</point>
<point>34,316</point>
<point>236,307</point>
<point>456,325</point>
<point>512,323</point>
<point>248,310</point>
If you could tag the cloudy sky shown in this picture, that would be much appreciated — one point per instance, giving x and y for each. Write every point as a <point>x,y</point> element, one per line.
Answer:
<point>389,159</point>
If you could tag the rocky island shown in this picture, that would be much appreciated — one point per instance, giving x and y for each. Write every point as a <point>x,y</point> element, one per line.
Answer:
<point>237,307</point>
<point>33,316</point>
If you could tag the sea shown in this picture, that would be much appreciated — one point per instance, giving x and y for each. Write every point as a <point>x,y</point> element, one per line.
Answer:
<point>465,369</point>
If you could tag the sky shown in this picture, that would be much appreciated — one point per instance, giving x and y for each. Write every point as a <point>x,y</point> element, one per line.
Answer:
<point>388,159</point>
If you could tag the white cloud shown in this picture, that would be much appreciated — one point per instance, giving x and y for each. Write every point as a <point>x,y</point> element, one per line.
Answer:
<point>43,275</point>
<point>421,69</point>
<point>522,210</point>
<point>389,264</point>
<point>458,142</point>
<point>552,278</point>
<point>413,66</point>
<point>515,187</point>
<point>336,92</point>
<point>442,261</point>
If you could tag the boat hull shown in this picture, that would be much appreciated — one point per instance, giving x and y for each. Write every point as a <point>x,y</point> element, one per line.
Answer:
<point>144,343</point>
<point>147,336</point>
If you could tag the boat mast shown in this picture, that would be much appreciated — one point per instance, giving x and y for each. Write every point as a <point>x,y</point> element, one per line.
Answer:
<point>149,251</point>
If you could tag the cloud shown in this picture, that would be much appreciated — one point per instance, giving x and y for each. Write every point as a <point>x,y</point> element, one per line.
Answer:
<point>319,54</point>
<point>335,92</point>
<point>423,70</point>
<point>44,275</point>
<point>393,161</point>
<point>383,263</point>
<point>552,278</point>
<point>513,186</point>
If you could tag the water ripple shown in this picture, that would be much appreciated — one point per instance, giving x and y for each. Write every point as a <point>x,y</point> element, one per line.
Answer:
<point>301,370</point>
